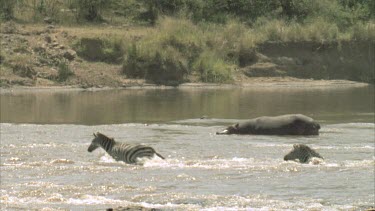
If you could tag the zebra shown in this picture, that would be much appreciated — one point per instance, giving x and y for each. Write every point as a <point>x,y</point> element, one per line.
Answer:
<point>128,153</point>
<point>302,153</point>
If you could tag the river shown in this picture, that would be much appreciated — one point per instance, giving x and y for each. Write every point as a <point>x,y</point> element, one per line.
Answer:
<point>45,164</point>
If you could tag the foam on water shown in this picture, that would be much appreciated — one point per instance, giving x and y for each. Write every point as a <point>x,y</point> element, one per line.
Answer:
<point>62,161</point>
<point>252,164</point>
<point>90,199</point>
<point>49,166</point>
<point>182,202</point>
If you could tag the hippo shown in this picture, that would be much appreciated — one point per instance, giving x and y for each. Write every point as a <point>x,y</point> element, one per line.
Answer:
<point>290,124</point>
<point>302,153</point>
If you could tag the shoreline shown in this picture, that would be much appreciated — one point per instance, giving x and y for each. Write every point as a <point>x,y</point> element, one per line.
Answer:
<point>269,83</point>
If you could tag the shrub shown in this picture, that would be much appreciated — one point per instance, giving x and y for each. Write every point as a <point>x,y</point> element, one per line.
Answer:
<point>7,9</point>
<point>361,31</point>
<point>151,14</point>
<point>97,49</point>
<point>212,68</point>
<point>87,10</point>
<point>161,66</point>
<point>2,58</point>
<point>167,66</point>
<point>22,65</point>
<point>183,36</point>
<point>90,10</point>
<point>246,56</point>
<point>64,71</point>
<point>133,65</point>
<point>317,29</point>
<point>320,30</point>
<point>166,55</point>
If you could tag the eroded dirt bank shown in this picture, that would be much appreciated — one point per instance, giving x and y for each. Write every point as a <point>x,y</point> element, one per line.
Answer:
<point>351,60</point>
<point>31,56</point>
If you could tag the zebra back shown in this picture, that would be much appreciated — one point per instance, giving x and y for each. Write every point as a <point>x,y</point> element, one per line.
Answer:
<point>301,152</point>
<point>130,153</point>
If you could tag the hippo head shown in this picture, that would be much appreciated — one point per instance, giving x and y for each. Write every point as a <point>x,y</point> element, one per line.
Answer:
<point>303,127</point>
<point>311,129</point>
<point>229,130</point>
<point>314,128</point>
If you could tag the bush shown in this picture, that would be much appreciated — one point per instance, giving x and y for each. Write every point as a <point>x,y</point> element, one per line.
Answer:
<point>166,55</point>
<point>22,65</point>
<point>7,9</point>
<point>341,12</point>
<point>133,65</point>
<point>317,29</point>
<point>167,66</point>
<point>161,66</point>
<point>183,36</point>
<point>64,71</point>
<point>212,68</point>
<point>151,14</point>
<point>90,10</point>
<point>2,58</point>
<point>362,31</point>
<point>101,50</point>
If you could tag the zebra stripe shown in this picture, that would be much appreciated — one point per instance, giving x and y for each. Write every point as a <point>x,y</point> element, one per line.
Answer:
<point>129,153</point>
<point>302,153</point>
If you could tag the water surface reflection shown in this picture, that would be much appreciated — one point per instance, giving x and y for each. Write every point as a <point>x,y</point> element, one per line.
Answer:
<point>162,105</point>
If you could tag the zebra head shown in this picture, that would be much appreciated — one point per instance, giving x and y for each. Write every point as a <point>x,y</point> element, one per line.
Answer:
<point>95,143</point>
<point>302,153</point>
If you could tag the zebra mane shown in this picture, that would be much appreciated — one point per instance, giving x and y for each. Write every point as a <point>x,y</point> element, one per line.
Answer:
<point>104,137</point>
<point>306,149</point>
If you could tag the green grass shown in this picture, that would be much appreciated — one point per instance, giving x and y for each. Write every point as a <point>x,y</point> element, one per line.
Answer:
<point>213,68</point>
<point>175,49</point>
<point>197,37</point>
<point>213,51</point>
<point>363,31</point>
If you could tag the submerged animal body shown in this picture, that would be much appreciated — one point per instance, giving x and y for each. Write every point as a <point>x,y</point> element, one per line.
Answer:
<point>302,154</point>
<point>129,153</point>
<point>290,124</point>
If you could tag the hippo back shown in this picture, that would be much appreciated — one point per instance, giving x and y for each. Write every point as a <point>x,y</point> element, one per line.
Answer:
<point>292,124</point>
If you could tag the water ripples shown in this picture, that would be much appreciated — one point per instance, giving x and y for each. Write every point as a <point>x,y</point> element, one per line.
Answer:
<point>47,167</point>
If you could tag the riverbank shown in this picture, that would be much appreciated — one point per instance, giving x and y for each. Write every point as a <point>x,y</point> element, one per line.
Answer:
<point>50,56</point>
<point>259,83</point>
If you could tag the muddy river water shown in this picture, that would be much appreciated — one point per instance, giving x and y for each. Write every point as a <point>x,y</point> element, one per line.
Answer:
<point>45,164</point>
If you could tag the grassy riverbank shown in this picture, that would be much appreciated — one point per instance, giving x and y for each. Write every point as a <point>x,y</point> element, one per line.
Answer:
<point>189,42</point>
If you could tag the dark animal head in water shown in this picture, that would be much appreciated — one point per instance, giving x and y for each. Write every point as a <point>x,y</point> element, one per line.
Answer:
<point>94,144</point>
<point>302,153</point>
<point>312,129</point>
<point>306,128</point>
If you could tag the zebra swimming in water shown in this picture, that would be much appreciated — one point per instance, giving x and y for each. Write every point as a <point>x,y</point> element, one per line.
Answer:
<point>129,153</point>
<point>302,153</point>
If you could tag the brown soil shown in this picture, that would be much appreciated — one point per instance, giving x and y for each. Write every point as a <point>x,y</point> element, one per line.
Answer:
<point>30,56</point>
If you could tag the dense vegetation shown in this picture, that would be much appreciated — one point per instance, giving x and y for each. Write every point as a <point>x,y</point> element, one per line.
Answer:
<point>206,39</point>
